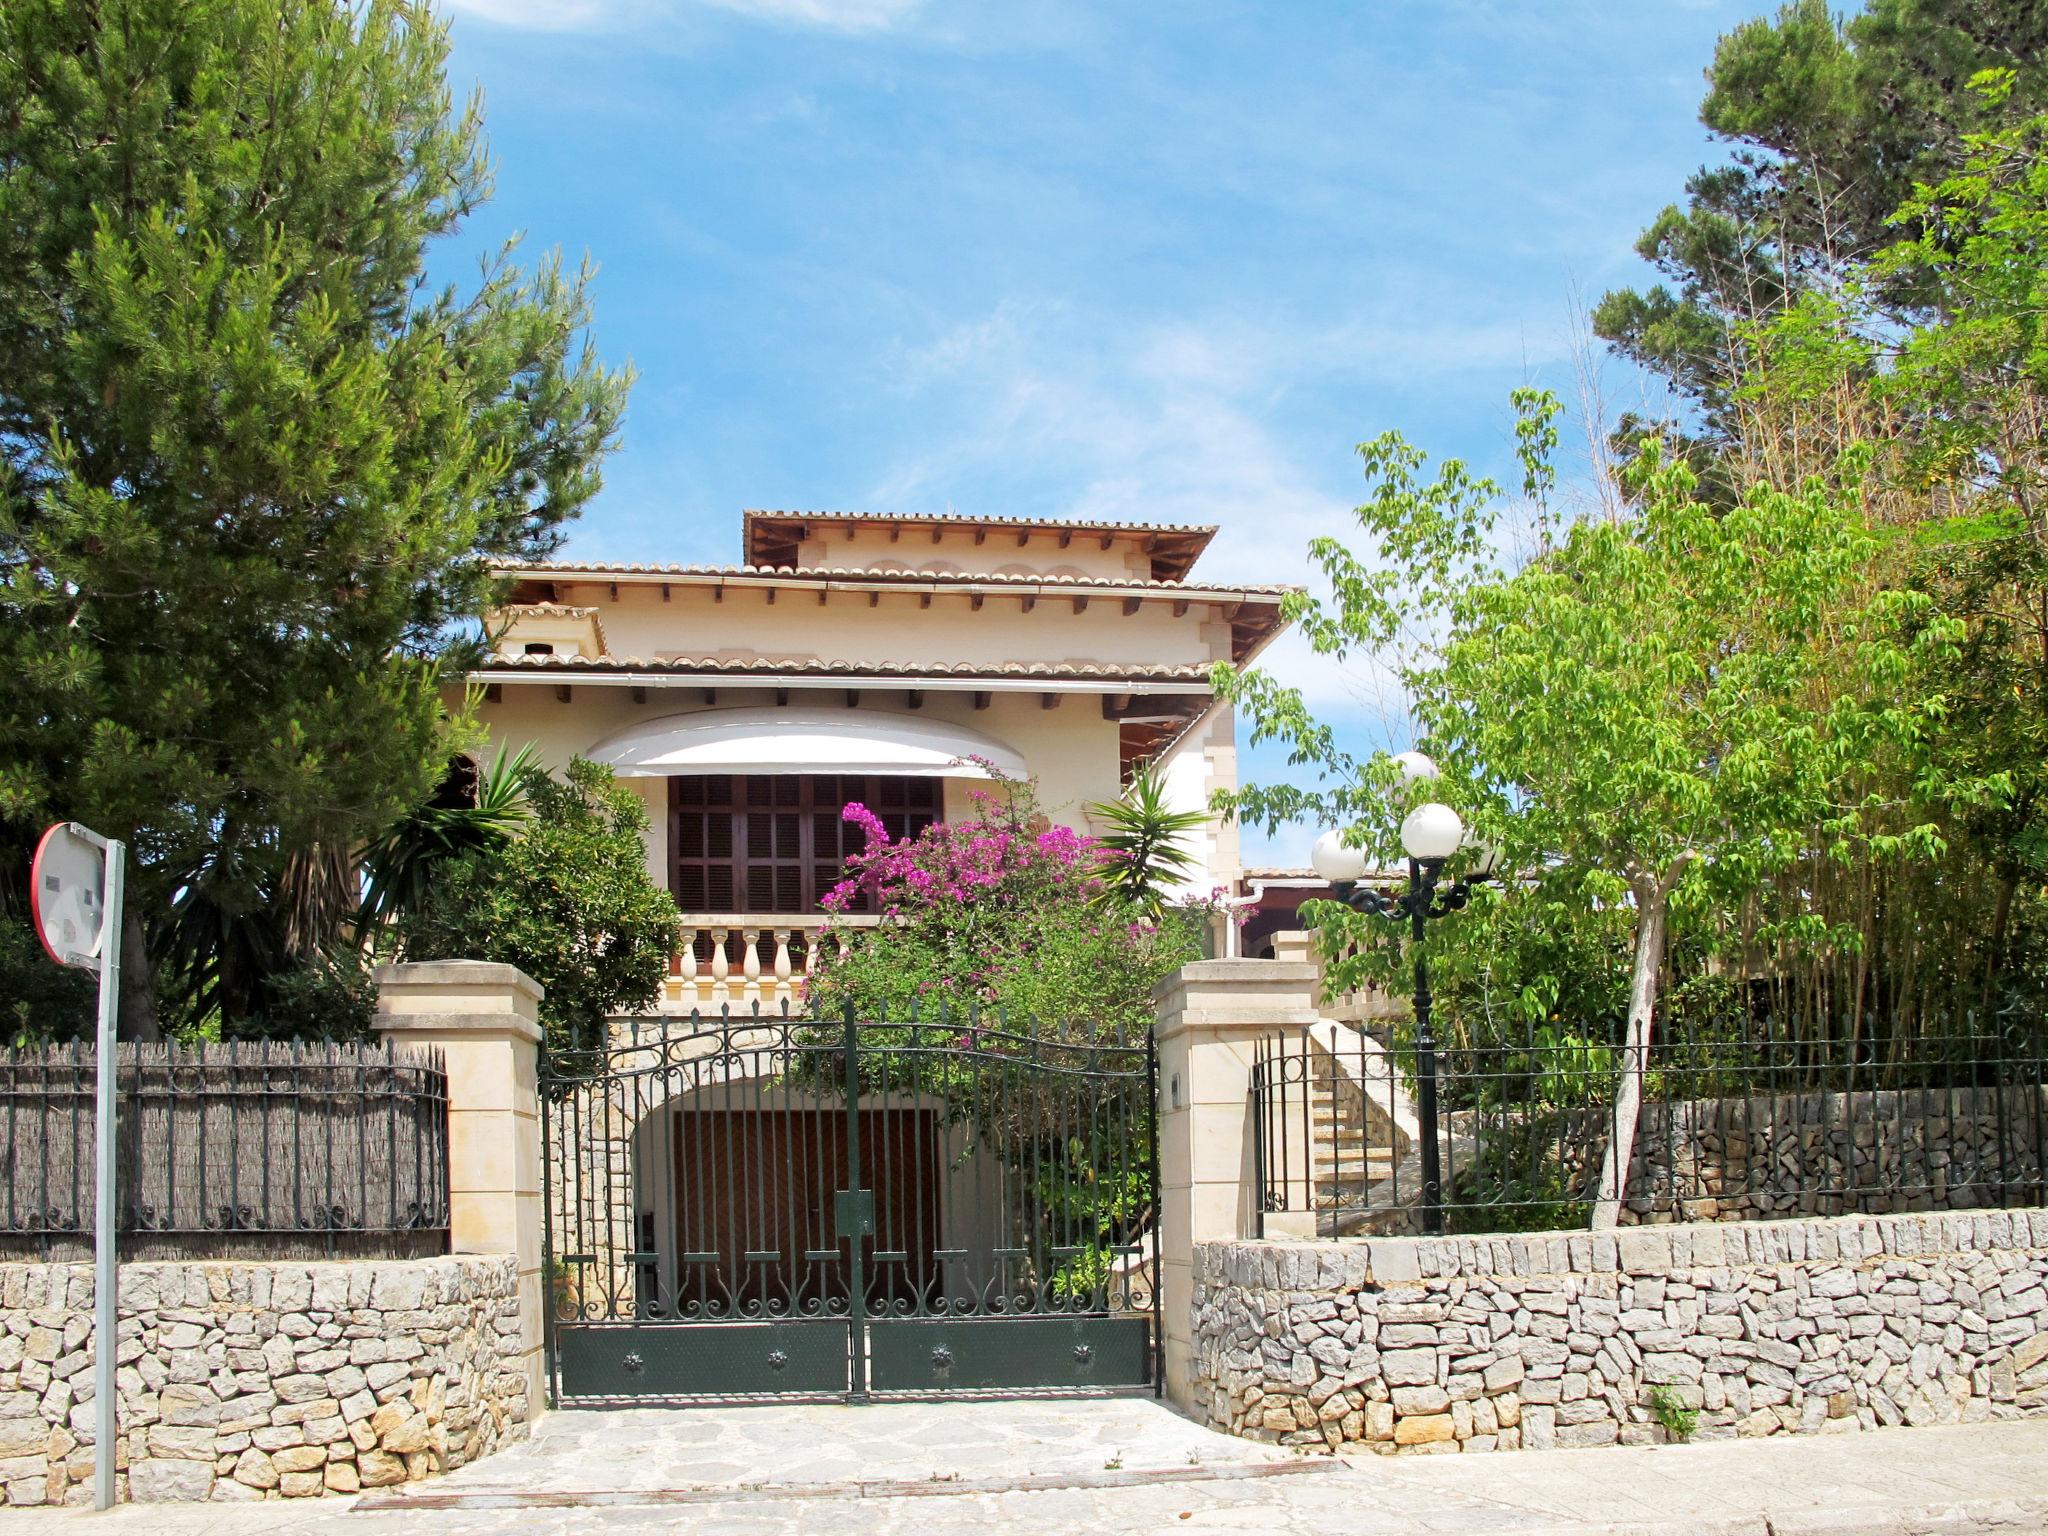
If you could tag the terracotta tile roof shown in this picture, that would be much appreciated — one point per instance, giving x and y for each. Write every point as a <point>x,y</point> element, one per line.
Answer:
<point>781,575</point>
<point>771,537</point>
<point>1193,674</point>
<point>969,520</point>
<point>560,611</point>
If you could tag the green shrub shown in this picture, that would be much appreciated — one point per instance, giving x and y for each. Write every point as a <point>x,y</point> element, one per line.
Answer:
<point>1005,914</point>
<point>568,901</point>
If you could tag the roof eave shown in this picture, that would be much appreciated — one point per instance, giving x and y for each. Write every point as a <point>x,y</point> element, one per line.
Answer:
<point>886,581</point>
<point>767,677</point>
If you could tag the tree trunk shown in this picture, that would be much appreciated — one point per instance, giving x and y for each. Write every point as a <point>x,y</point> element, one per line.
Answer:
<point>1994,949</point>
<point>136,1019</point>
<point>1651,904</point>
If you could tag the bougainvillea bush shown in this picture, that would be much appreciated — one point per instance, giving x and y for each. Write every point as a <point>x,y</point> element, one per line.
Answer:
<point>999,916</point>
<point>1007,930</point>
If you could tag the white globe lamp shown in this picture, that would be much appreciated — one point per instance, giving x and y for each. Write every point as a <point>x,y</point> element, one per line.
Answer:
<point>1334,861</point>
<point>1415,768</point>
<point>1431,833</point>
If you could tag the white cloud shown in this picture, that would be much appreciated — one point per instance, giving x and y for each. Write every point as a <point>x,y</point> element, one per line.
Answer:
<point>1183,422</point>
<point>538,15</point>
<point>1174,422</point>
<point>564,15</point>
<point>1166,423</point>
<point>833,15</point>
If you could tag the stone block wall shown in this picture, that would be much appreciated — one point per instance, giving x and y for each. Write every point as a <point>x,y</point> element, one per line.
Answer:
<point>256,1380</point>
<point>1717,1331</point>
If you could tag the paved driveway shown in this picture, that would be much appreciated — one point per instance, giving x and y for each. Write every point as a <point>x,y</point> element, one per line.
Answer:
<point>835,1450</point>
<point>1132,1467</point>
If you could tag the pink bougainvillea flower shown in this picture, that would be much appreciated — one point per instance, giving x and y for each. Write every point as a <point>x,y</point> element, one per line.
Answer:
<point>868,822</point>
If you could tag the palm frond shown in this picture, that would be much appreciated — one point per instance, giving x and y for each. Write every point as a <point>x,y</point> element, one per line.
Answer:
<point>1143,848</point>
<point>456,822</point>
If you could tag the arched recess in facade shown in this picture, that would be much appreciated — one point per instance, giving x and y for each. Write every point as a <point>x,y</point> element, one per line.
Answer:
<point>801,739</point>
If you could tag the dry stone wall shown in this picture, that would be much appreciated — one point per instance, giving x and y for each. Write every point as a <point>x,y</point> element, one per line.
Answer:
<point>1429,1345</point>
<point>254,1381</point>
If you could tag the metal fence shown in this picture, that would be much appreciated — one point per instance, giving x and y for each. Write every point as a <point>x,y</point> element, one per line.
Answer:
<point>1753,1121</point>
<point>262,1149</point>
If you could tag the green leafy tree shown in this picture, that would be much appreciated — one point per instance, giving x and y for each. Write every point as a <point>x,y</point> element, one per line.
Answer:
<point>253,466</point>
<point>40,1000</point>
<point>1651,710</point>
<point>1962,400</point>
<point>1145,853</point>
<point>569,901</point>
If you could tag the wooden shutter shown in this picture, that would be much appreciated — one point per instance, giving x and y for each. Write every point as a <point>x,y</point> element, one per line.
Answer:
<point>770,843</point>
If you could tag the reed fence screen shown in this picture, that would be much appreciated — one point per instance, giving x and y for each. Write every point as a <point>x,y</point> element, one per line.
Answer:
<point>258,1149</point>
<point>1751,1122</point>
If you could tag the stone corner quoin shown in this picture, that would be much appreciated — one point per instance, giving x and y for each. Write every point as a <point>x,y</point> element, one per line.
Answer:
<point>1430,1345</point>
<point>248,1380</point>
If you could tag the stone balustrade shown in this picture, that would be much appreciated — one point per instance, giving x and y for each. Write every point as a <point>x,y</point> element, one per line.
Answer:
<point>745,961</point>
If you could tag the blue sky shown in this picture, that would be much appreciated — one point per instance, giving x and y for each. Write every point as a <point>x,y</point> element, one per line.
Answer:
<point>1059,258</point>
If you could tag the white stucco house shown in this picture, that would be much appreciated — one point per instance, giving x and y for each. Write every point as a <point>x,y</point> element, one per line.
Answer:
<point>866,657</point>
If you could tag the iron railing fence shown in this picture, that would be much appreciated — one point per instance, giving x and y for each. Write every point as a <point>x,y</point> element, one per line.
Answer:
<point>257,1149</point>
<point>1754,1121</point>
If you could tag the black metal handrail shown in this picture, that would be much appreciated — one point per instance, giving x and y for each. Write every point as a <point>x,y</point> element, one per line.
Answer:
<point>239,1149</point>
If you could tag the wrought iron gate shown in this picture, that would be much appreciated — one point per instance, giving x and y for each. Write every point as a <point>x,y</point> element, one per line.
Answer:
<point>764,1204</point>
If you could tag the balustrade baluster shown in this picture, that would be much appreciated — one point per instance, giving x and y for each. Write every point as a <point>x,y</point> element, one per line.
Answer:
<point>782,965</point>
<point>721,968</point>
<point>750,964</point>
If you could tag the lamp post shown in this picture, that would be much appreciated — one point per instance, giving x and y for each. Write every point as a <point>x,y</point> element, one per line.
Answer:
<point>1430,835</point>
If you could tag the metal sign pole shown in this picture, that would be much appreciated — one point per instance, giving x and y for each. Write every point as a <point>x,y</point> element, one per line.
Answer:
<point>74,895</point>
<point>105,1308</point>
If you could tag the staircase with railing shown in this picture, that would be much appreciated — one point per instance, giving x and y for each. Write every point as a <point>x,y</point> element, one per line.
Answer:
<point>1356,1162</point>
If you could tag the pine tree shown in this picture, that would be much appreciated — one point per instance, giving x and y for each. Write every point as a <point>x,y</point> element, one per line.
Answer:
<point>1831,122</point>
<point>255,464</point>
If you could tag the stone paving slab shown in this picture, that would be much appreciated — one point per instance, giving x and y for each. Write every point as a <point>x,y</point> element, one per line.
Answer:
<point>1924,1482</point>
<point>837,1444</point>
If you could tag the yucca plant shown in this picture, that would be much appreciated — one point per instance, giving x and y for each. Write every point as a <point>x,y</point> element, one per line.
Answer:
<point>455,822</point>
<point>1143,852</point>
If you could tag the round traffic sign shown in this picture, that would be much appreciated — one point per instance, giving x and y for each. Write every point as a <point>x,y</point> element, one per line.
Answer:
<point>67,895</point>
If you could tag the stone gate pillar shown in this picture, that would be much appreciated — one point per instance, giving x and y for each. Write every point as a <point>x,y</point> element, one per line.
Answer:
<point>1210,1017</point>
<point>484,1019</point>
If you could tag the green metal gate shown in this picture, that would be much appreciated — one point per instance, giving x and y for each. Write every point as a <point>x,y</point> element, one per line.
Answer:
<point>763,1204</point>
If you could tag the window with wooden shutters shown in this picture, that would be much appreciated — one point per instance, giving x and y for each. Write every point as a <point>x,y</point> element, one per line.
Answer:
<point>777,842</point>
